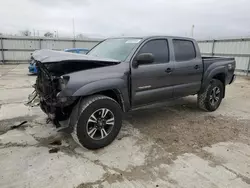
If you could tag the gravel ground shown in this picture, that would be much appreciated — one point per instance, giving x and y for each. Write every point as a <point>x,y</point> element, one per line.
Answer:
<point>173,144</point>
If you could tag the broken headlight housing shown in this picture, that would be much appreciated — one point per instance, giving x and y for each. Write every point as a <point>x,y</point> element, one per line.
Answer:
<point>62,82</point>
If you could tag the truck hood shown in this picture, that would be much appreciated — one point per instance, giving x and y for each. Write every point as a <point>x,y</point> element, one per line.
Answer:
<point>52,56</point>
<point>58,63</point>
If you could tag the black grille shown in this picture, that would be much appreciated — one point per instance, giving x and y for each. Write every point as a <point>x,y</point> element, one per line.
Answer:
<point>46,88</point>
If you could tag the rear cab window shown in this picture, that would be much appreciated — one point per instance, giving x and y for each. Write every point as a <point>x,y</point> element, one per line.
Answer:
<point>159,48</point>
<point>184,50</point>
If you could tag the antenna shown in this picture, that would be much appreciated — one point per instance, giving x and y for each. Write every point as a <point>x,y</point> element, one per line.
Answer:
<point>73,22</point>
<point>192,31</point>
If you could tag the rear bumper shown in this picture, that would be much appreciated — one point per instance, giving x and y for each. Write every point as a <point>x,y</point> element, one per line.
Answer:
<point>233,79</point>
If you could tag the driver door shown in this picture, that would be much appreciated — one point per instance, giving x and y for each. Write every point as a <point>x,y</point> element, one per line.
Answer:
<point>152,82</point>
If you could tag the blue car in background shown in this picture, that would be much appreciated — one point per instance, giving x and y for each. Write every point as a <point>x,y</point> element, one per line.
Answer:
<point>32,65</point>
<point>77,50</point>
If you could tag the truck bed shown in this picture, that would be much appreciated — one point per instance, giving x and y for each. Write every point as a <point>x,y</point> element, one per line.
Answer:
<point>216,58</point>
<point>210,61</point>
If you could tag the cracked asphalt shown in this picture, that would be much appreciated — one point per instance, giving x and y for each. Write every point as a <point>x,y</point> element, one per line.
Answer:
<point>172,144</point>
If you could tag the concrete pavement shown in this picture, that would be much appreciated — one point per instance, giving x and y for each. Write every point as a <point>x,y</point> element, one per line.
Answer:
<point>168,145</point>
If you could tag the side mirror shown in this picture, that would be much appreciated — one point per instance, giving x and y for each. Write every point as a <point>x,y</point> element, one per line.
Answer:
<point>145,58</point>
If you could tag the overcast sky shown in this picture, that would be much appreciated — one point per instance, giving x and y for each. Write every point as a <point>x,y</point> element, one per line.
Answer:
<point>212,18</point>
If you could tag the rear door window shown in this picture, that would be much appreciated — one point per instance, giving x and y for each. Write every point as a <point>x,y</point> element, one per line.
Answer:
<point>159,48</point>
<point>184,50</point>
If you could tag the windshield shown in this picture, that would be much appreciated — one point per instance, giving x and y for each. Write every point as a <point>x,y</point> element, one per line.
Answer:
<point>118,49</point>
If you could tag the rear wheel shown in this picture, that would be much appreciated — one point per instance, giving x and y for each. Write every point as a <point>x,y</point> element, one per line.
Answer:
<point>99,122</point>
<point>211,97</point>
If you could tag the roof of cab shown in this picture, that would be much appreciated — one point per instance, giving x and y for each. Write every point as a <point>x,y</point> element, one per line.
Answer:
<point>151,37</point>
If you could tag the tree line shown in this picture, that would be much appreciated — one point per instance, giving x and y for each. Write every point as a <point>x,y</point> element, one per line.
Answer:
<point>48,34</point>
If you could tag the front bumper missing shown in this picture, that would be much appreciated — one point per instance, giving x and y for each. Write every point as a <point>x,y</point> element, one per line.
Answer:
<point>62,126</point>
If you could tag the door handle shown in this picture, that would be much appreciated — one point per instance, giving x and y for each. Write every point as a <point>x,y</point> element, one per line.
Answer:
<point>168,70</point>
<point>196,67</point>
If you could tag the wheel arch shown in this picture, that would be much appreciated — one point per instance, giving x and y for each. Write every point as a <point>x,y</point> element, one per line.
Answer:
<point>218,73</point>
<point>114,88</point>
<point>114,94</point>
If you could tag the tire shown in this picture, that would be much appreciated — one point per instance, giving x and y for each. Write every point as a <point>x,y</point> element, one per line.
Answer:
<point>204,99</point>
<point>93,106</point>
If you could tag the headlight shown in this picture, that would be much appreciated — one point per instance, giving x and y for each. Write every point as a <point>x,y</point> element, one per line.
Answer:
<point>63,80</point>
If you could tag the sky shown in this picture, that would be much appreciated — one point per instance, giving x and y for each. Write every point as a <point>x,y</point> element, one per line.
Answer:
<point>106,18</point>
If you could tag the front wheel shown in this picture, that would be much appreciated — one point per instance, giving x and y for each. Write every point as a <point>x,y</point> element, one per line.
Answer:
<point>210,99</point>
<point>99,122</point>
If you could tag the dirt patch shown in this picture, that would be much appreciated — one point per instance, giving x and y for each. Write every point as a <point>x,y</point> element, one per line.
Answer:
<point>183,128</point>
<point>6,125</point>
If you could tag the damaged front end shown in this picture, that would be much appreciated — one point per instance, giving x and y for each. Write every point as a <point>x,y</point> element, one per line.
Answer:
<point>55,86</point>
<point>45,94</point>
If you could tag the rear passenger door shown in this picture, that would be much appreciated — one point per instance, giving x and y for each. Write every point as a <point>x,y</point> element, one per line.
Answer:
<point>152,82</point>
<point>188,68</point>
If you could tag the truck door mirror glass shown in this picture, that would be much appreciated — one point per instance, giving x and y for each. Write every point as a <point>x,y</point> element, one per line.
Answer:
<point>145,58</point>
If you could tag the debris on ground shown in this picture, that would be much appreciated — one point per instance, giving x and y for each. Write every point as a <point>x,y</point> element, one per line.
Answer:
<point>48,120</point>
<point>19,125</point>
<point>54,150</point>
<point>56,142</point>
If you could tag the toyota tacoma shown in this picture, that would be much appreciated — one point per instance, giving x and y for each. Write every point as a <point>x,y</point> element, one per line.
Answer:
<point>91,92</point>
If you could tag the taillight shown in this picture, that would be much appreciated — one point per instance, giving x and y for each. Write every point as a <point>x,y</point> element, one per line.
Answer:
<point>230,66</point>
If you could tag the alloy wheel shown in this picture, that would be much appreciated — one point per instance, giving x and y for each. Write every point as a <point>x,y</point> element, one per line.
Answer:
<point>214,96</point>
<point>100,124</point>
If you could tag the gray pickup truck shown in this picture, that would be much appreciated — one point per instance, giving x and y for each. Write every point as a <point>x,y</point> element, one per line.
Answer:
<point>91,92</point>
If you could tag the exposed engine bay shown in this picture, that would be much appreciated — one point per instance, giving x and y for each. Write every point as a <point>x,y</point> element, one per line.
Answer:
<point>52,78</point>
